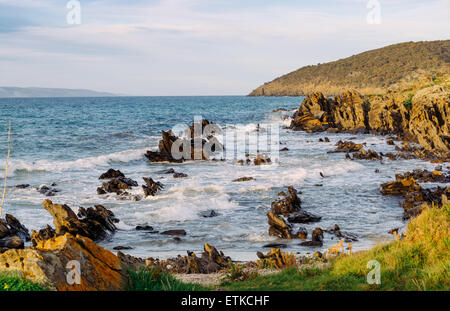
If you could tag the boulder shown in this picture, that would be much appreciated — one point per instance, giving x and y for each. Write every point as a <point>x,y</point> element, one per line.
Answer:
<point>303,217</point>
<point>180,175</point>
<point>347,146</point>
<point>400,187</point>
<point>52,263</point>
<point>119,185</point>
<point>243,179</point>
<point>111,173</point>
<point>287,203</point>
<point>12,233</point>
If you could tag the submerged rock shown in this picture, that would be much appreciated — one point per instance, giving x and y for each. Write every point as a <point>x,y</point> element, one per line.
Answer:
<point>243,179</point>
<point>302,217</point>
<point>174,232</point>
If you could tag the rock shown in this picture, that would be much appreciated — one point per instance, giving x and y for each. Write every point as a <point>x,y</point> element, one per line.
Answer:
<point>279,227</point>
<point>118,185</point>
<point>275,256</point>
<point>400,187</point>
<point>243,179</point>
<point>121,248</point>
<point>260,160</point>
<point>49,262</point>
<point>22,186</point>
<point>95,223</point>
<point>100,191</point>
<point>367,155</point>
<point>47,191</point>
<point>179,175</point>
<point>312,243</point>
<point>165,149</point>
<point>317,235</point>
<point>111,173</point>
<point>174,232</point>
<point>168,171</point>
<point>284,149</point>
<point>209,214</point>
<point>151,187</point>
<point>42,235</point>
<point>347,146</point>
<point>425,176</point>
<point>16,228</point>
<point>346,236</point>
<point>211,261</point>
<point>286,204</point>
<point>12,242</point>
<point>302,217</point>
<point>274,245</point>
<point>144,228</point>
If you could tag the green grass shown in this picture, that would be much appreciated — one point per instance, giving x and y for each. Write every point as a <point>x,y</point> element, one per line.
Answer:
<point>157,280</point>
<point>408,103</point>
<point>420,261</point>
<point>16,283</point>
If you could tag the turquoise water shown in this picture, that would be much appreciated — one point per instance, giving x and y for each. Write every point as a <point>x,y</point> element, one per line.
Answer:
<point>71,141</point>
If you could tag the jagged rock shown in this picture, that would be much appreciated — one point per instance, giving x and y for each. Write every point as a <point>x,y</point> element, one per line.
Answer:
<point>111,173</point>
<point>347,146</point>
<point>367,155</point>
<point>22,186</point>
<point>49,261</point>
<point>275,256</point>
<point>346,236</point>
<point>243,179</point>
<point>425,176</point>
<point>151,187</point>
<point>286,204</point>
<point>12,233</point>
<point>121,248</point>
<point>211,261</point>
<point>42,235</point>
<point>144,228</point>
<point>95,224</point>
<point>11,242</point>
<point>118,185</point>
<point>400,187</point>
<point>316,239</point>
<point>427,121</point>
<point>279,227</point>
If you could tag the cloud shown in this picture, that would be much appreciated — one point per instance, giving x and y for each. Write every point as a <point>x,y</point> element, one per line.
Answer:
<point>188,47</point>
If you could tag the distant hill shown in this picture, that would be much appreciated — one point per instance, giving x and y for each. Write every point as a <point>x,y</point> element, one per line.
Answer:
<point>49,92</point>
<point>373,72</point>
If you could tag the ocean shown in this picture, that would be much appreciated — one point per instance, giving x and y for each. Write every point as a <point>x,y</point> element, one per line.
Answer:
<point>71,141</point>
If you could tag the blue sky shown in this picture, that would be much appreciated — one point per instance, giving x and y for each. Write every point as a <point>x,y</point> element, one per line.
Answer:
<point>196,47</point>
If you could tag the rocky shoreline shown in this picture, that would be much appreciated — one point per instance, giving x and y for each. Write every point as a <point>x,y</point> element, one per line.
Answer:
<point>423,129</point>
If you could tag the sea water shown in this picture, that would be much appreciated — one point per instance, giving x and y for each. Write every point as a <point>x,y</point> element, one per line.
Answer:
<point>72,141</point>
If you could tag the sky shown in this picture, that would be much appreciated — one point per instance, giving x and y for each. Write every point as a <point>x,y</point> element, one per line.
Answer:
<point>197,47</point>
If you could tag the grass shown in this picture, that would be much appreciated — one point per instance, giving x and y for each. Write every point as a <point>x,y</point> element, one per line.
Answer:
<point>420,261</point>
<point>408,103</point>
<point>15,283</point>
<point>158,280</point>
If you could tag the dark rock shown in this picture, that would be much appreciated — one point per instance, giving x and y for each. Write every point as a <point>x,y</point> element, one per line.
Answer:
<point>22,186</point>
<point>47,191</point>
<point>42,235</point>
<point>111,173</point>
<point>286,203</point>
<point>120,248</point>
<point>275,245</point>
<point>317,235</point>
<point>209,214</point>
<point>179,175</point>
<point>151,187</point>
<point>168,171</point>
<point>118,185</point>
<point>144,228</point>
<point>312,243</point>
<point>284,149</point>
<point>174,232</point>
<point>12,242</point>
<point>100,191</point>
<point>346,147</point>
<point>243,179</point>
<point>302,217</point>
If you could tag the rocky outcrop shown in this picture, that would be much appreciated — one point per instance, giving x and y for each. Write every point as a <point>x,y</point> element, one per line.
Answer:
<point>12,233</point>
<point>151,187</point>
<point>425,121</point>
<point>415,197</point>
<point>288,205</point>
<point>118,185</point>
<point>198,144</point>
<point>112,173</point>
<point>55,263</point>
<point>211,261</point>
<point>95,223</point>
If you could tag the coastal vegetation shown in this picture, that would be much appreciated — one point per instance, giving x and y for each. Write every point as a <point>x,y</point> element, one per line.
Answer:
<point>396,67</point>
